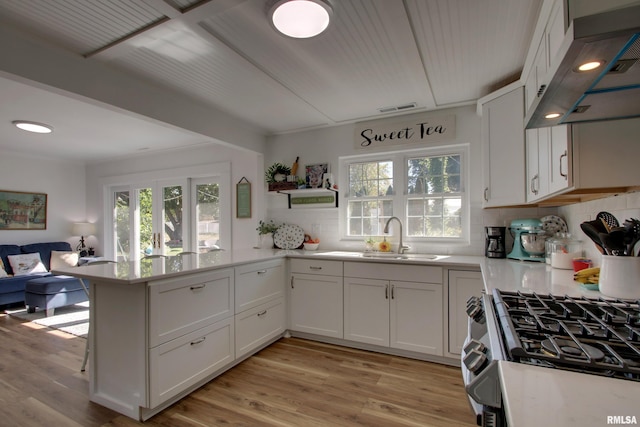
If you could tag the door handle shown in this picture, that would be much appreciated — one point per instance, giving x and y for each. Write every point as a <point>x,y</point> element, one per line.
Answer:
<point>564,175</point>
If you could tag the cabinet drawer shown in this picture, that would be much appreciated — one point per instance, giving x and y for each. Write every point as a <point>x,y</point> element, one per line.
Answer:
<point>410,273</point>
<point>181,363</point>
<point>258,325</point>
<point>314,266</point>
<point>258,283</point>
<point>184,304</point>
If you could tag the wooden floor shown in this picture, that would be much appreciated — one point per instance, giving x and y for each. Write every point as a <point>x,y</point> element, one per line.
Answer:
<point>293,382</point>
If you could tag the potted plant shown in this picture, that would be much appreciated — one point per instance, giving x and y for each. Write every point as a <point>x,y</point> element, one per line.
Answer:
<point>276,176</point>
<point>265,233</point>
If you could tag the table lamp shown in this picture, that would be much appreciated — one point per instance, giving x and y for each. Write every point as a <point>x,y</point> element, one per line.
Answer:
<point>82,229</point>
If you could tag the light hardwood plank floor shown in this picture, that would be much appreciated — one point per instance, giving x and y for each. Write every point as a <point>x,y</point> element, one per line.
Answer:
<point>293,382</point>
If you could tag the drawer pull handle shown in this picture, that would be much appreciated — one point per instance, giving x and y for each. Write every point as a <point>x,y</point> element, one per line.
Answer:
<point>195,288</point>
<point>311,267</point>
<point>262,272</point>
<point>262,313</point>
<point>198,341</point>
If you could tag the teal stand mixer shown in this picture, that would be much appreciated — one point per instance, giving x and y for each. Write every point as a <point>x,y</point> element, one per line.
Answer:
<point>528,240</point>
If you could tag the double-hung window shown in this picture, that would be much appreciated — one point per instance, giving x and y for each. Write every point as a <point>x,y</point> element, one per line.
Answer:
<point>424,188</point>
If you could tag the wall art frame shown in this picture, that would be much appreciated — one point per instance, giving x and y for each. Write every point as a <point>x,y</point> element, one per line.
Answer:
<point>314,174</point>
<point>21,210</point>
<point>243,198</point>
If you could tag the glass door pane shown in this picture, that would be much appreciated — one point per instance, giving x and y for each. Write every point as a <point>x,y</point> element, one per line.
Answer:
<point>172,224</point>
<point>122,222</point>
<point>207,195</point>
<point>143,230</point>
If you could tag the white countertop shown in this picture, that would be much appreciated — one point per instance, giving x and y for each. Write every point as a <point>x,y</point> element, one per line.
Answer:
<point>536,396</point>
<point>533,396</point>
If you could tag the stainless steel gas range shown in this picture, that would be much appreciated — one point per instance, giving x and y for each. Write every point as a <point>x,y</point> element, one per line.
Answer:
<point>589,336</point>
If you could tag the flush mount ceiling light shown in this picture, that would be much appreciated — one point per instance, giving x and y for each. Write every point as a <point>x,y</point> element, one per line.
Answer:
<point>300,19</point>
<point>32,126</point>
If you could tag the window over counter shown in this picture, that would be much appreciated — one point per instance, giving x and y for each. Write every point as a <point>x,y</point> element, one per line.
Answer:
<point>425,188</point>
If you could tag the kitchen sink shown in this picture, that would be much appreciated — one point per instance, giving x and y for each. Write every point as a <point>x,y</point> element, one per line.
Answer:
<point>382,255</point>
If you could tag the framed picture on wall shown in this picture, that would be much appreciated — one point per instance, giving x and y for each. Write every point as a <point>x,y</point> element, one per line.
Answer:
<point>314,174</point>
<point>23,211</point>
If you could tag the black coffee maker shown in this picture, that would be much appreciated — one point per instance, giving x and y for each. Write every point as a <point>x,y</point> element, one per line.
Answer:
<point>494,244</point>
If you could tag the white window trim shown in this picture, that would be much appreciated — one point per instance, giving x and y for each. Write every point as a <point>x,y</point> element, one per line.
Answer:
<point>400,184</point>
<point>220,170</point>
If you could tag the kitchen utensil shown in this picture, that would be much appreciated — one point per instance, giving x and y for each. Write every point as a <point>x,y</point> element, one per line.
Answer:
<point>593,233</point>
<point>632,235</point>
<point>608,219</point>
<point>613,243</point>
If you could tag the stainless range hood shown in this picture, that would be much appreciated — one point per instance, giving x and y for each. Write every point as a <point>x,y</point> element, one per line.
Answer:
<point>609,92</point>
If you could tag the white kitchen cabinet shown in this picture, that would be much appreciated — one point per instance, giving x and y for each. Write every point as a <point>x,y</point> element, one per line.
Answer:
<point>316,297</point>
<point>259,325</point>
<point>537,163</point>
<point>549,161</point>
<point>260,314</point>
<point>402,314</point>
<point>462,285</point>
<point>258,283</point>
<point>183,362</point>
<point>503,147</point>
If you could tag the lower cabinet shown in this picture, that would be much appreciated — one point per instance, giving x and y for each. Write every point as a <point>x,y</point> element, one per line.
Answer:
<point>406,315</point>
<point>462,286</point>
<point>315,291</point>
<point>259,325</point>
<point>181,363</point>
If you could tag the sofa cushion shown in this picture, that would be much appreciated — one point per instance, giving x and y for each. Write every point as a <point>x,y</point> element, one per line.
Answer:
<point>45,250</point>
<point>17,284</point>
<point>63,259</point>
<point>25,264</point>
<point>3,272</point>
<point>5,251</point>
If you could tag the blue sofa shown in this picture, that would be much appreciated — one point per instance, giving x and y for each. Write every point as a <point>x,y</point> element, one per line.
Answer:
<point>41,290</point>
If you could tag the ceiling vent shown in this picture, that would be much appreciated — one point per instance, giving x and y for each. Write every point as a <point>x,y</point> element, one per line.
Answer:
<point>398,108</point>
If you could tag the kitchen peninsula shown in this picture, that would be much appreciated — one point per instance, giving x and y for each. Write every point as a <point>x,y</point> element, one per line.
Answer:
<point>162,327</point>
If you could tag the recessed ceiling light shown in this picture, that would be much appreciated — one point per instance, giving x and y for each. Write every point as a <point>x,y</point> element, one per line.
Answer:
<point>552,116</point>
<point>300,19</point>
<point>32,126</point>
<point>588,66</point>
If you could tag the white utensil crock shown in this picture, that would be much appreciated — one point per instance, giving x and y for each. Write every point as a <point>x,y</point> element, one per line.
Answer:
<point>620,276</point>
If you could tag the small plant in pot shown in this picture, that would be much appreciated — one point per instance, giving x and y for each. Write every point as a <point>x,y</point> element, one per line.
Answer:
<point>265,233</point>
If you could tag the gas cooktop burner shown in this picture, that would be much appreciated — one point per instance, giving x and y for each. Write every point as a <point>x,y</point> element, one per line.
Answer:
<point>596,336</point>
<point>560,347</point>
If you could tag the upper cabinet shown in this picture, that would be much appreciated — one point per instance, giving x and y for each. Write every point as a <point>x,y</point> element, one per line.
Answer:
<point>503,147</point>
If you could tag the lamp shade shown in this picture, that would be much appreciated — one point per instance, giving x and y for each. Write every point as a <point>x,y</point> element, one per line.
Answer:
<point>83,229</point>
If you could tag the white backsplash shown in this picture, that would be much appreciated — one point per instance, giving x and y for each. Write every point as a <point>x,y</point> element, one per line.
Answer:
<point>623,206</point>
<point>324,223</point>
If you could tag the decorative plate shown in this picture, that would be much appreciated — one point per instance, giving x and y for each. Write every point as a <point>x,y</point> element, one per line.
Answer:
<point>288,236</point>
<point>552,224</point>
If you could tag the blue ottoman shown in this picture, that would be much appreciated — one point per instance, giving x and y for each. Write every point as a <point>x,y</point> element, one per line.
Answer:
<point>51,292</point>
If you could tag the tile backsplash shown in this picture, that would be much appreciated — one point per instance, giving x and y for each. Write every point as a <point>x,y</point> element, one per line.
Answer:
<point>622,206</point>
<point>325,223</point>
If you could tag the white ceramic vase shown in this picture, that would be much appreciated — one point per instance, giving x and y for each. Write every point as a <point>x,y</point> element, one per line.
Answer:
<point>266,241</point>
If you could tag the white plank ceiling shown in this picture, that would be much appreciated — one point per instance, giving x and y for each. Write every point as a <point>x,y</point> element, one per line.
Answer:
<point>375,54</point>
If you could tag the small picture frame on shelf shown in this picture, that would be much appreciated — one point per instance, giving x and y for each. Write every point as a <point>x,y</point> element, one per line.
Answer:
<point>314,174</point>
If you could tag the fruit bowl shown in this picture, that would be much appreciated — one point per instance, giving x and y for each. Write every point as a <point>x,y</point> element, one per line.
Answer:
<point>311,246</point>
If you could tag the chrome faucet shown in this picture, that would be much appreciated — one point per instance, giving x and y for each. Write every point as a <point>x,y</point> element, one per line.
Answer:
<point>401,247</point>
